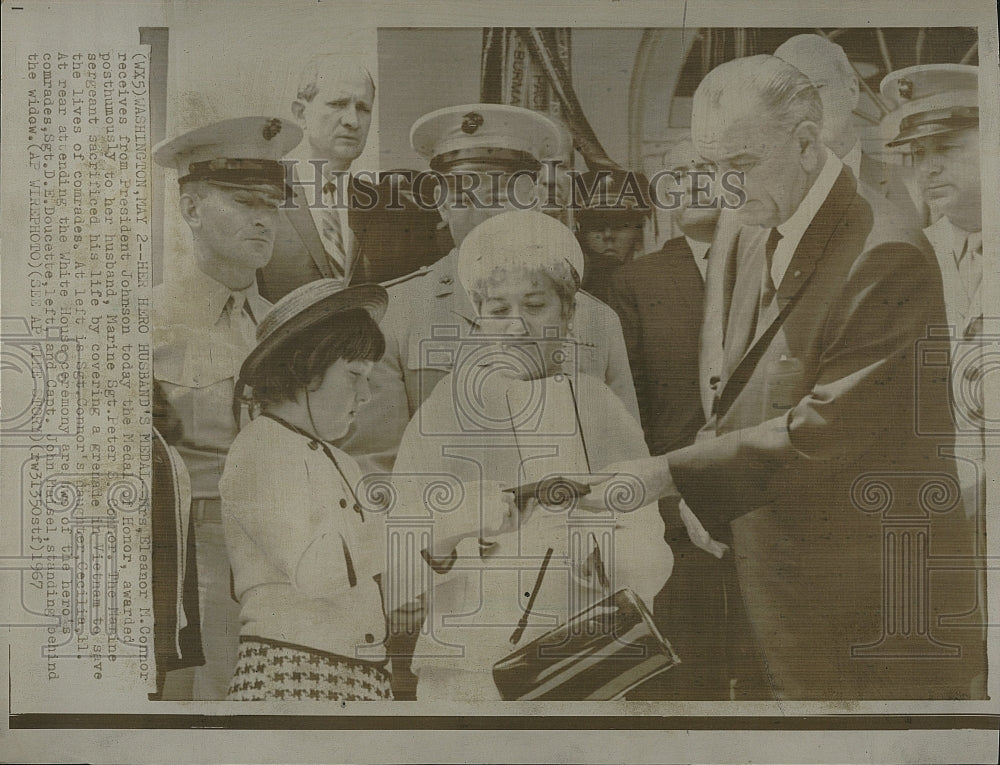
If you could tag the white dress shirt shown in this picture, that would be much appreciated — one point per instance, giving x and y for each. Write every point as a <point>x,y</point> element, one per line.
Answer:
<point>961,271</point>
<point>959,255</point>
<point>793,229</point>
<point>852,160</point>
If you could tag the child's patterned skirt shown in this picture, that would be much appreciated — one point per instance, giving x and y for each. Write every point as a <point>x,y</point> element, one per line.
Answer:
<point>271,670</point>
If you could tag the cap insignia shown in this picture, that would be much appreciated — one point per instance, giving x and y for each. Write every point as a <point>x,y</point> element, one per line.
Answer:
<point>471,122</point>
<point>272,128</point>
<point>905,88</point>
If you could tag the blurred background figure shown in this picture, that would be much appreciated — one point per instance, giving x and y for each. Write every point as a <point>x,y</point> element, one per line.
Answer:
<point>659,299</point>
<point>828,68</point>
<point>615,208</point>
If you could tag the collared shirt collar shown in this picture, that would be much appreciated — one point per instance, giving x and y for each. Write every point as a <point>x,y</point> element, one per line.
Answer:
<point>853,160</point>
<point>944,235</point>
<point>207,299</point>
<point>965,243</point>
<point>700,252</point>
<point>793,229</point>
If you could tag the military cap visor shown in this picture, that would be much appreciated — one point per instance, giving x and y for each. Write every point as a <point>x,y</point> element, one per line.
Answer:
<point>237,173</point>
<point>484,159</point>
<point>929,100</point>
<point>935,122</point>
<point>238,152</point>
<point>482,137</point>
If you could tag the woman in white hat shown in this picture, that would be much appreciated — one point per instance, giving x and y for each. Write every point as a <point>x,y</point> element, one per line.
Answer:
<point>307,557</point>
<point>515,410</point>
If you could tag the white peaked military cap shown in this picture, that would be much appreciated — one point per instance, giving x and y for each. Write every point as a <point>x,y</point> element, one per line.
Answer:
<point>236,152</point>
<point>519,238</point>
<point>930,99</point>
<point>487,136</point>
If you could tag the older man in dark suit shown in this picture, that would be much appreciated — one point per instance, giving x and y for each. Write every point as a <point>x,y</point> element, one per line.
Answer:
<point>831,490</point>
<point>659,300</point>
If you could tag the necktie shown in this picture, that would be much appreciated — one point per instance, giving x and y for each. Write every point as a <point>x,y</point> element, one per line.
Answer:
<point>969,262</point>
<point>241,321</point>
<point>331,232</point>
<point>767,287</point>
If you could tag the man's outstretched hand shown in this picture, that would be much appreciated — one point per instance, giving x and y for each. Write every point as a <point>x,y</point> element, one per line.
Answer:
<point>626,486</point>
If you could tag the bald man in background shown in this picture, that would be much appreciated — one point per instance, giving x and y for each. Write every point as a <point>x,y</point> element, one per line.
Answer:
<point>827,66</point>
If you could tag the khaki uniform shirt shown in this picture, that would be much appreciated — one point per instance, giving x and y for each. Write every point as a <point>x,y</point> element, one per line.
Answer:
<point>199,342</point>
<point>959,254</point>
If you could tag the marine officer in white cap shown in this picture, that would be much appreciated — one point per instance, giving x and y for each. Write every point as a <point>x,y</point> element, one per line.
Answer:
<point>937,120</point>
<point>428,312</point>
<point>231,186</point>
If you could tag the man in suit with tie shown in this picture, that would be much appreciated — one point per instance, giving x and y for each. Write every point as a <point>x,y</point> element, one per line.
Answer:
<point>814,457</point>
<point>658,298</point>
<point>231,185</point>
<point>317,237</point>
<point>827,66</point>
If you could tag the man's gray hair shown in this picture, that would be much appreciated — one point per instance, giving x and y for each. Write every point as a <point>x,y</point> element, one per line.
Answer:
<point>325,62</point>
<point>781,90</point>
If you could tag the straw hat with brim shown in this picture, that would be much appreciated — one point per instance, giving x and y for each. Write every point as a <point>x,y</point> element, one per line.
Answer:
<point>304,308</point>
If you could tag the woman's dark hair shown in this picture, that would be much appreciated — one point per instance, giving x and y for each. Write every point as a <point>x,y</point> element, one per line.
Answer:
<point>350,335</point>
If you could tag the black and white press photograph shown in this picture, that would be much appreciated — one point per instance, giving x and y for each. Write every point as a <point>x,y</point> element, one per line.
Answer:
<point>632,371</point>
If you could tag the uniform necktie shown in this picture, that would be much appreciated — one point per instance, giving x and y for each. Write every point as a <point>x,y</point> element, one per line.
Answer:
<point>970,274</point>
<point>331,231</point>
<point>242,321</point>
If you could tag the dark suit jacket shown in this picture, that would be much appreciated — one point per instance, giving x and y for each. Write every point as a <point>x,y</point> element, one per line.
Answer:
<point>817,426</point>
<point>397,242</point>
<point>659,300</point>
<point>388,242</point>
<point>886,181</point>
